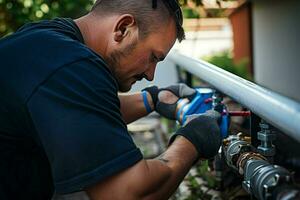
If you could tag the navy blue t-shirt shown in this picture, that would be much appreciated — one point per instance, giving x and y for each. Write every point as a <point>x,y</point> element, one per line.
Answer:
<point>60,123</point>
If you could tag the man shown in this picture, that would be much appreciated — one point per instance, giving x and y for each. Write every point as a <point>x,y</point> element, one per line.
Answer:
<point>62,123</point>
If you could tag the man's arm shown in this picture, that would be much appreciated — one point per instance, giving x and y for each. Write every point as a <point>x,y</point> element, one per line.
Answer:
<point>132,106</point>
<point>162,100</point>
<point>158,178</point>
<point>149,179</point>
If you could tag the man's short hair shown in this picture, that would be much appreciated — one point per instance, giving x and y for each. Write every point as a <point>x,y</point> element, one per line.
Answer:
<point>149,14</point>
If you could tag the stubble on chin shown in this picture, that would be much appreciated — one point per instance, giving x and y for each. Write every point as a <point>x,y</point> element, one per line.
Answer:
<point>113,61</point>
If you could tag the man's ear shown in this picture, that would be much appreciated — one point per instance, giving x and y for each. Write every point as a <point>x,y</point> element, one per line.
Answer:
<point>125,24</point>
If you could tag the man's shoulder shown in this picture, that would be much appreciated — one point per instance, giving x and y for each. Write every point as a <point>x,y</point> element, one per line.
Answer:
<point>42,49</point>
<point>60,35</point>
<point>58,27</point>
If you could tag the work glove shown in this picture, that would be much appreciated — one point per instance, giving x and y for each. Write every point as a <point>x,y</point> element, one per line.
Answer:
<point>203,131</point>
<point>168,110</point>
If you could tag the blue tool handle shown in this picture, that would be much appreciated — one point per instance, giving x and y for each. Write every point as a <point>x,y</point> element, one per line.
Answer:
<point>224,124</point>
<point>196,106</point>
<point>199,105</point>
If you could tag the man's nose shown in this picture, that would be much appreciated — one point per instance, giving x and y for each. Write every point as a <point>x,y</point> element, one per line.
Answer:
<point>150,72</point>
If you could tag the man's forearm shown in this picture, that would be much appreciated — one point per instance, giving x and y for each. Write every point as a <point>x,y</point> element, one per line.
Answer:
<point>178,158</point>
<point>149,179</point>
<point>132,106</point>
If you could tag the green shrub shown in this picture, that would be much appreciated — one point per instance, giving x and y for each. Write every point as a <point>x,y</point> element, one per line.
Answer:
<point>14,14</point>
<point>190,13</point>
<point>225,61</point>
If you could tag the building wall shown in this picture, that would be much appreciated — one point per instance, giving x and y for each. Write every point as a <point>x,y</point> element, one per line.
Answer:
<point>242,41</point>
<point>212,36</point>
<point>276,45</point>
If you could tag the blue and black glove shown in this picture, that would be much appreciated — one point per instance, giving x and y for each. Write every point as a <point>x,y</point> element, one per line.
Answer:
<point>189,101</point>
<point>203,132</point>
<point>165,109</point>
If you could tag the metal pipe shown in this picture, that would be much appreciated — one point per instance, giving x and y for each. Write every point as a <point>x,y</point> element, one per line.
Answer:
<point>261,178</point>
<point>280,111</point>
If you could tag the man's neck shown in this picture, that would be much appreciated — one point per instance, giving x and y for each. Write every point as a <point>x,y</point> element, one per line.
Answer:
<point>94,32</point>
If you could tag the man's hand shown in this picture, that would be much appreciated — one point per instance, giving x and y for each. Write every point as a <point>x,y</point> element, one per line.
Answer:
<point>165,99</point>
<point>203,132</point>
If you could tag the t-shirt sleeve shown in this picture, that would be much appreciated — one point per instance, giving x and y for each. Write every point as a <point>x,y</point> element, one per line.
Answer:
<point>76,114</point>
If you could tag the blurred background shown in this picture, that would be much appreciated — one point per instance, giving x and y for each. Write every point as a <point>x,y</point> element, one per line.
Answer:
<point>207,23</point>
<point>256,40</point>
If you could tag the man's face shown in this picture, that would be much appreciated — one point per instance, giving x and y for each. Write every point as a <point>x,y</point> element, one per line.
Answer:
<point>138,58</point>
